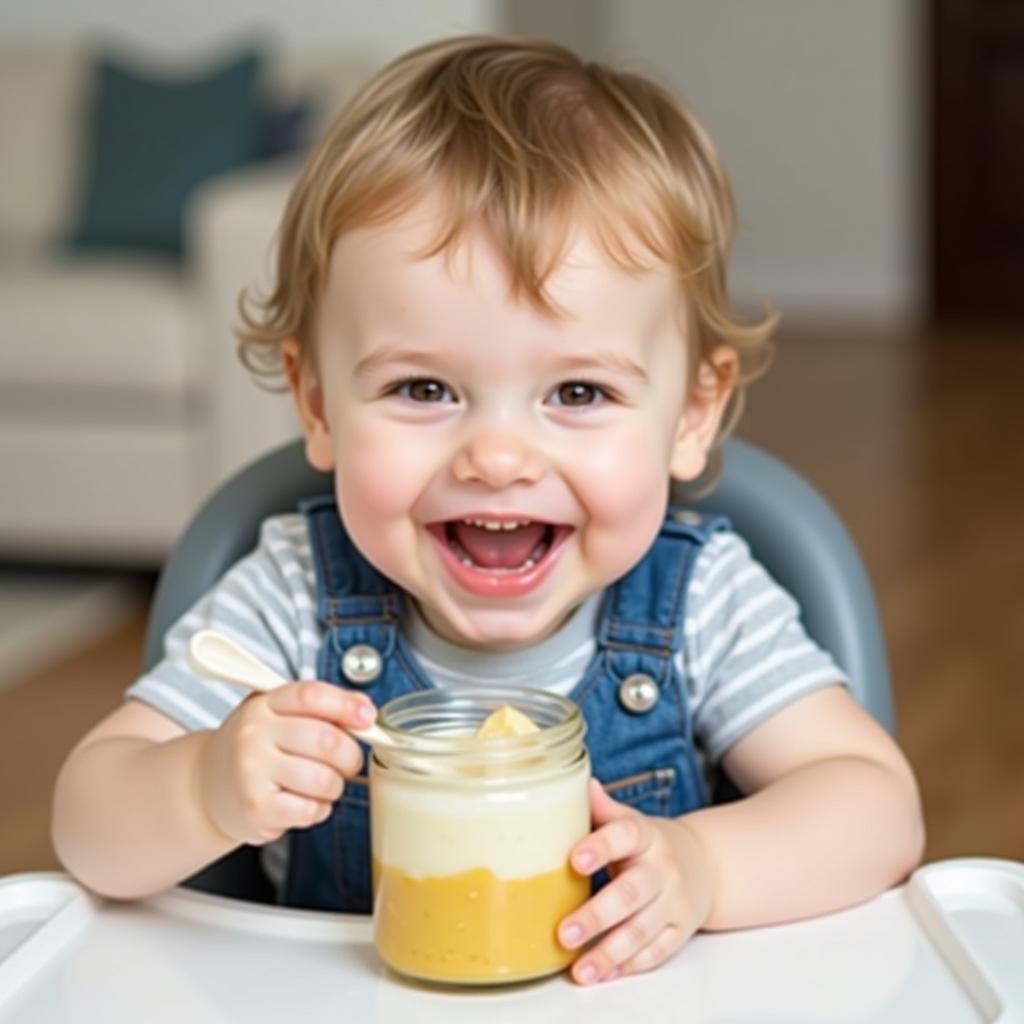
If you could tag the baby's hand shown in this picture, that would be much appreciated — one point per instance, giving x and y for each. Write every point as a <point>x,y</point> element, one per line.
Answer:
<point>659,895</point>
<point>280,760</point>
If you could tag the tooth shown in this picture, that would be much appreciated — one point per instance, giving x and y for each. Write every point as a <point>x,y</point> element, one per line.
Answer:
<point>498,524</point>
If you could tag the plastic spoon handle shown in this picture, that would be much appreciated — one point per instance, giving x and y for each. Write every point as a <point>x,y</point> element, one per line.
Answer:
<point>217,656</point>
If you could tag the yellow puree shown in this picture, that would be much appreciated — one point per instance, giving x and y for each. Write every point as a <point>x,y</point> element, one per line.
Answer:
<point>474,927</point>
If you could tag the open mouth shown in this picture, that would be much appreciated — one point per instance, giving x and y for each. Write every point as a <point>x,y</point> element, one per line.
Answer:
<point>505,547</point>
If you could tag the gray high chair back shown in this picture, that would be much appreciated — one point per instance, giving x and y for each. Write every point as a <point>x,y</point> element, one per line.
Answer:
<point>790,527</point>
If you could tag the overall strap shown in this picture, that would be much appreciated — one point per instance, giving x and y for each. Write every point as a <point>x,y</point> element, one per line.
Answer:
<point>640,727</point>
<point>644,610</point>
<point>351,593</point>
<point>362,648</point>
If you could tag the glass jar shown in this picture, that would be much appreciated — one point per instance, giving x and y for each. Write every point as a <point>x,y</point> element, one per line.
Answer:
<point>471,837</point>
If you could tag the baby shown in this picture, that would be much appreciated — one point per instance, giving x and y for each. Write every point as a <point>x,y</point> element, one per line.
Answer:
<point>501,309</point>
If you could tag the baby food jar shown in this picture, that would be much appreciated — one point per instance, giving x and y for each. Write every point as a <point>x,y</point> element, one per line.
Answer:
<point>471,837</point>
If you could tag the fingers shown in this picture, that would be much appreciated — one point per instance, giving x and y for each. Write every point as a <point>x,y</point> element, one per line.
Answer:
<point>310,779</point>
<point>622,898</point>
<point>280,759</point>
<point>667,942</point>
<point>315,699</point>
<point>628,835</point>
<point>287,810</point>
<point>629,951</point>
<point>319,741</point>
<point>629,919</point>
<point>604,808</point>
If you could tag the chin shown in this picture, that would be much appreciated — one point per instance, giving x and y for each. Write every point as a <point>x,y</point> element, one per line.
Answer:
<point>499,630</point>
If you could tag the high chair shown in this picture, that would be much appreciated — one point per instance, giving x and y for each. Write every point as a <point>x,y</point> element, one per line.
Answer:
<point>789,526</point>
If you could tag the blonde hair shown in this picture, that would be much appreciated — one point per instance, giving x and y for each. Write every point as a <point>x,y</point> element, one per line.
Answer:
<point>529,141</point>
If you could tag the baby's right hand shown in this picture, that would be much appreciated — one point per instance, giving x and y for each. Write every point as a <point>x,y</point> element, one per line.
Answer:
<point>280,760</point>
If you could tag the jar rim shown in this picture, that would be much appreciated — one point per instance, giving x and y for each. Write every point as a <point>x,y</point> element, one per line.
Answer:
<point>445,719</point>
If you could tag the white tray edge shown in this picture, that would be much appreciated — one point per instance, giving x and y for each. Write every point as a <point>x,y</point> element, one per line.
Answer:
<point>73,910</point>
<point>262,918</point>
<point>923,894</point>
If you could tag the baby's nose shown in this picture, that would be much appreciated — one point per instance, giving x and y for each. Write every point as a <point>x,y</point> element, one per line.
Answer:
<point>497,459</point>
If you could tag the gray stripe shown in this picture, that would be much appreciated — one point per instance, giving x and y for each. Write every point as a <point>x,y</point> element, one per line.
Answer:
<point>737,671</point>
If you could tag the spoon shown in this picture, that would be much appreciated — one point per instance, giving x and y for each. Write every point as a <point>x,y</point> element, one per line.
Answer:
<point>216,656</point>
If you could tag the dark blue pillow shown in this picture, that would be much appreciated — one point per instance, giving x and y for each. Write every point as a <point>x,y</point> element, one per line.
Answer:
<point>153,140</point>
<point>286,128</point>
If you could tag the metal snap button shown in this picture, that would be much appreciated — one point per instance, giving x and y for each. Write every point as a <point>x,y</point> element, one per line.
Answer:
<point>361,664</point>
<point>686,517</point>
<point>638,693</point>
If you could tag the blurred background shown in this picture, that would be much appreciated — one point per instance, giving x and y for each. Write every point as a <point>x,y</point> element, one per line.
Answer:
<point>877,154</point>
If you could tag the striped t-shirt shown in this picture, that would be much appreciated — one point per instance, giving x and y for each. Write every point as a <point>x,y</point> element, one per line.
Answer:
<point>745,653</point>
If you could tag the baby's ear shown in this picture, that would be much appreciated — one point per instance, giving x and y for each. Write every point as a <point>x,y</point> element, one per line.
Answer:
<point>309,403</point>
<point>705,406</point>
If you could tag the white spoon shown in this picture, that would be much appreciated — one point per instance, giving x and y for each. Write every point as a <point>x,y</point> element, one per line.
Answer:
<point>217,656</point>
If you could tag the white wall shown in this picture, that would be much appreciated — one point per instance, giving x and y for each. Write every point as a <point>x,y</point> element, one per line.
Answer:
<point>384,28</point>
<point>815,107</point>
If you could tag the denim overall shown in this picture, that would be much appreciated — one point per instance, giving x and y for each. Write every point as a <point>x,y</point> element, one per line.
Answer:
<point>639,730</point>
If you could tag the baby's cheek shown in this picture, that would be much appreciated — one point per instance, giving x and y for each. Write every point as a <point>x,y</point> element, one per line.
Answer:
<point>615,547</point>
<point>377,485</point>
<point>377,474</point>
<point>625,489</point>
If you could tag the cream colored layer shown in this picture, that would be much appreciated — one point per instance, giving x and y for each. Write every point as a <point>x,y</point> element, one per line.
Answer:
<point>442,830</point>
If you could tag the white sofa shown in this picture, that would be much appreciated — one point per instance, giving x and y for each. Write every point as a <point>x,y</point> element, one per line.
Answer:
<point>122,402</point>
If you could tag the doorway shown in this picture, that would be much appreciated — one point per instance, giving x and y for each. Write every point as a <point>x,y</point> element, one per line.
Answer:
<point>977,158</point>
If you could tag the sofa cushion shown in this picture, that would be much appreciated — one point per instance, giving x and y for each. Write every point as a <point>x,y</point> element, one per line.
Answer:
<point>153,139</point>
<point>85,488</point>
<point>105,325</point>
<point>286,128</point>
<point>39,143</point>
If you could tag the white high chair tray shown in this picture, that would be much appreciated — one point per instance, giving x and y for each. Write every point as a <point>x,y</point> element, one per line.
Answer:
<point>948,946</point>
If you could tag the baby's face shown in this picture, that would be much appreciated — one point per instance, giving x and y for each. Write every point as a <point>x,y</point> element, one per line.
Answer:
<point>499,465</point>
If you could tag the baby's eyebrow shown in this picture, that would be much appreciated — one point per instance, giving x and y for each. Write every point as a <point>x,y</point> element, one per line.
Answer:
<point>582,362</point>
<point>615,362</point>
<point>388,354</point>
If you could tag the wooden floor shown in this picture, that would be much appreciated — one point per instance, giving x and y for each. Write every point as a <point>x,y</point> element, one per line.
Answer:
<point>919,443</point>
<point>920,447</point>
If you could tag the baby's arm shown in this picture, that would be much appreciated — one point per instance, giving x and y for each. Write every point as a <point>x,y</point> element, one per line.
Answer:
<point>127,820</point>
<point>140,804</point>
<point>833,818</point>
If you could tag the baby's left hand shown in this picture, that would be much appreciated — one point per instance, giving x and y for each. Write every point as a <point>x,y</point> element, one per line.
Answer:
<point>659,895</point>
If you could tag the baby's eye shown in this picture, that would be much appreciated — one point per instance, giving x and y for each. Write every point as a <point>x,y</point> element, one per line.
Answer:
<point>423,389</point>
<point>578,393</point>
